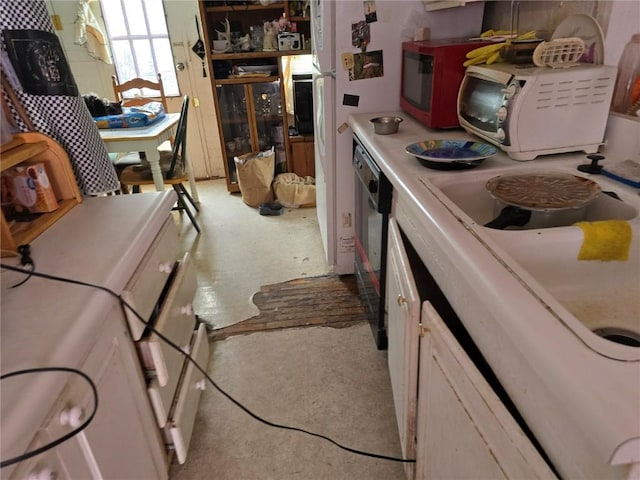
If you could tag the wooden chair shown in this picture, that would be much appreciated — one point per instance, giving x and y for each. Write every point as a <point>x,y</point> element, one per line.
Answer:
<point>121,162</point>
<point>139,99</point>
<point>173,165</point>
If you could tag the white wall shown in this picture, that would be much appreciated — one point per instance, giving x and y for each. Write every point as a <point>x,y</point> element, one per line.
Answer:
<point>91,75</point>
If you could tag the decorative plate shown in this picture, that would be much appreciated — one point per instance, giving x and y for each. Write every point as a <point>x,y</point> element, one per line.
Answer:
<point>447,151</point>
<point>588,29</point>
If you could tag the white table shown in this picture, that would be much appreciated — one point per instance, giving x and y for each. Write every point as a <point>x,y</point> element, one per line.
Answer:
<point>148,139</point>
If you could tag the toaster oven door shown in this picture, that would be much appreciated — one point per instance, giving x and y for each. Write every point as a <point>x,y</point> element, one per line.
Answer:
<point>480,103</point>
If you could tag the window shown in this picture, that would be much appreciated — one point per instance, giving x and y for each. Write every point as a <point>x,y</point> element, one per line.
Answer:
<point>139,38</point>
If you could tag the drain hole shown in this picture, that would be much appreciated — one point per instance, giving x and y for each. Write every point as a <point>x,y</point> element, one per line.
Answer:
<point>619,335</point>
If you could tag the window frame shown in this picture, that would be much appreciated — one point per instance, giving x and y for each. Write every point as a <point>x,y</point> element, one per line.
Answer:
<point>169,77</point>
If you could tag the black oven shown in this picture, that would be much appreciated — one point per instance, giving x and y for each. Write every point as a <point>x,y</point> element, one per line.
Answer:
<point>373,205</point>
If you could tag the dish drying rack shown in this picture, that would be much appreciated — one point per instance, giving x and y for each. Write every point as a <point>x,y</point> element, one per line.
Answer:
<point>559,53</point>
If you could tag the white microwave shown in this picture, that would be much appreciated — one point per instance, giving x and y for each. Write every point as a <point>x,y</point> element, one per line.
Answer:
<point>529,111</point>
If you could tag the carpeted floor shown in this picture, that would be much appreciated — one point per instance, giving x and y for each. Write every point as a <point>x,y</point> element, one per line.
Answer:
<point>330,300</point>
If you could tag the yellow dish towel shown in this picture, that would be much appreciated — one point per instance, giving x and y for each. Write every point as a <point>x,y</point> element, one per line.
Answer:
<point>605,240</point>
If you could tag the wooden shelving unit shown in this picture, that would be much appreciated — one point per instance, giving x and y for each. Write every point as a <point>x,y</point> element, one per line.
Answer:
<point>38,148</point>
<point>238,98</point>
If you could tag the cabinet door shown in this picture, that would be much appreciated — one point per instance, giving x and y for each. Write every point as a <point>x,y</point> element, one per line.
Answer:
<point>51,464</point>
<point>234,123</point>
<point>403,304</point>
<point>251,120</point>
<point>122,441</point>
<point>463,429</point>
<point>302,156</point>
<point>269,121</point>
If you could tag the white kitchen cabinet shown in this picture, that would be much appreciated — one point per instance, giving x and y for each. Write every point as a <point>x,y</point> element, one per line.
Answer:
<point>403,317</point>
<point>449,417</point>
<point>99,451</point>
<point>128,244</point>
<point>463,428</point>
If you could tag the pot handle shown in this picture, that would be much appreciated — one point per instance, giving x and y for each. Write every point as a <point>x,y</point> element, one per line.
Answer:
<point>510,216</point>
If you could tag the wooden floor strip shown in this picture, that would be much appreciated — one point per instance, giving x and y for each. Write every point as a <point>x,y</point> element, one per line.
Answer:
<point>330,300</point>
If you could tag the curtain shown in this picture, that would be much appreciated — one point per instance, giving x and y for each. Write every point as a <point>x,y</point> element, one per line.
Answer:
<point>35,66</point>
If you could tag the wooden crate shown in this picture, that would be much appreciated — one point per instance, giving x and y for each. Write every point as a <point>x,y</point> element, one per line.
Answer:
<point>33,147</point>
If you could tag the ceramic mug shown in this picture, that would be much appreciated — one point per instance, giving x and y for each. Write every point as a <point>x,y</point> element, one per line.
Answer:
<point>220,45</point>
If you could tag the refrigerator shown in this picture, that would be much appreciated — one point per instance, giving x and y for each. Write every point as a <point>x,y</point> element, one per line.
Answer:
<point>356,56</point>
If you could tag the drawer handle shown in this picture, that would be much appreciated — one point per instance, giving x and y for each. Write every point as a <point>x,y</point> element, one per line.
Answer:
<point>165,267</point>
<point>45,473</point>
<point>401,300</point>
<point>71,417</point>
<point>186,309</point>
<point>201,385</point>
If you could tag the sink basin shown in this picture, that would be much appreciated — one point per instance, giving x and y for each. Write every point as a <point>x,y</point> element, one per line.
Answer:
<point>468,192</point>
<point>603,295</point>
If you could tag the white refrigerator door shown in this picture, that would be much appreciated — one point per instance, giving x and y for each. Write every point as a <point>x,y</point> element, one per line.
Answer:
<point>324,146</point>
<point>322,35</point>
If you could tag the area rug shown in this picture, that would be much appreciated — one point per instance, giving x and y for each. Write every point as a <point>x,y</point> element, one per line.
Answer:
<point>330,300</point>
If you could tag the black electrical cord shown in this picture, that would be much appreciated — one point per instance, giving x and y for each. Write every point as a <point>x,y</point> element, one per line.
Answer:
<point>64,438</point>
<point>26,261</point>
<point>169,342</point>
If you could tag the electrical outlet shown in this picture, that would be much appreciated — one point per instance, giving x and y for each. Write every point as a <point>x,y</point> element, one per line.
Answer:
<point>346,220</point>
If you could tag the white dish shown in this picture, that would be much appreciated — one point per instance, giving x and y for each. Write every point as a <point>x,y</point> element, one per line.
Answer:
<point>587,28</point>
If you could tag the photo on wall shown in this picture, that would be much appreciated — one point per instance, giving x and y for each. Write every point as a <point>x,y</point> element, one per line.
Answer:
<point>370,14</point>
<point>367,65</point>
<point>360,35</point>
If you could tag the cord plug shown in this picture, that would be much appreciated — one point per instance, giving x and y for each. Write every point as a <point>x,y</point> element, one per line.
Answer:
<point>25,261</point>
<point>25,255</point>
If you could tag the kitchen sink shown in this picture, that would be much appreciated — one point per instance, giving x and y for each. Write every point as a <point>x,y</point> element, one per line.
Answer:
<point>603,295</point>
<point>467,190</point>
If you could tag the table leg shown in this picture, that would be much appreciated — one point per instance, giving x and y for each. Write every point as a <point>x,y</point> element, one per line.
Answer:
<point>153,156</point>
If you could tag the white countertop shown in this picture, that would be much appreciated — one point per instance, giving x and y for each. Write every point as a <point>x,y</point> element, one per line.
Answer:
<point>48,323</point>
<point>580,403</point>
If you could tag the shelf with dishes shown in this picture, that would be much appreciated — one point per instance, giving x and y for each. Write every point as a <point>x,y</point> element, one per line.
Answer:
<point>245,41</point>
<point>294,9</point>
<point>241,7</point>
<point>257,54</point>
<point>245,79</point>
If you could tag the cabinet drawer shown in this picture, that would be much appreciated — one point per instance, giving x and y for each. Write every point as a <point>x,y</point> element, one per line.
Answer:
<point>179,429</point>
<point>146,284</point>
<point>45,465</point>
<point>176,321</point>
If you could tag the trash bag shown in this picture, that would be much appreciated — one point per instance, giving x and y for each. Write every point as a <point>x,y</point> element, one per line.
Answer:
<point>293,191</point>
<point>255,175</point>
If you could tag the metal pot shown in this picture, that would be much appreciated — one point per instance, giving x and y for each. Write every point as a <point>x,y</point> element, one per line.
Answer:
<point>540,200</point>
<point>385,125</point>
